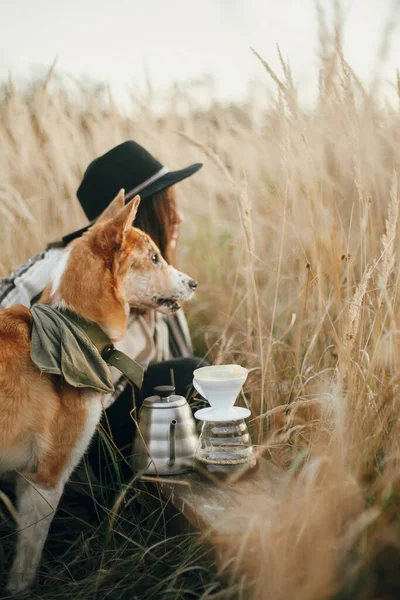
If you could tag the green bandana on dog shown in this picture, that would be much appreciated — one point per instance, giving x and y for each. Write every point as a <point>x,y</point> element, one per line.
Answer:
<point>61,345</point>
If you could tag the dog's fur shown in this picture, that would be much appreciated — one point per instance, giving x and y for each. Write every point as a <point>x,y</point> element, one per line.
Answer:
<point>46,427</point>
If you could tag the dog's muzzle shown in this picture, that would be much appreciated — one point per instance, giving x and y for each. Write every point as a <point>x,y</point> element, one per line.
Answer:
<point>173,303</point>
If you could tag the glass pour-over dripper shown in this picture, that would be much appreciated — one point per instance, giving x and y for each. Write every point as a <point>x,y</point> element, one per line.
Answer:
<point>220,385</point>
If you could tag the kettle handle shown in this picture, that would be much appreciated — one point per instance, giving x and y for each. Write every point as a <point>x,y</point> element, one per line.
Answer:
<point>172,443</point>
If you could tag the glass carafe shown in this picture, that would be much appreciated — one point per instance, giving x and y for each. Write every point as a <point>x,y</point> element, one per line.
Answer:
<point>225,446</point>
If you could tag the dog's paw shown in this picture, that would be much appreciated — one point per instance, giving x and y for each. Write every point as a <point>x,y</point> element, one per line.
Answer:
<point>18,585</point>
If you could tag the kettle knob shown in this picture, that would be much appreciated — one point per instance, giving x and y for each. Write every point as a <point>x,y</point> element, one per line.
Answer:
<point>164,391</point>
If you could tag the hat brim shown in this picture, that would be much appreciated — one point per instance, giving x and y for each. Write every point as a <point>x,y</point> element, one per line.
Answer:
<point>161,184</point>
<point>167,180</point>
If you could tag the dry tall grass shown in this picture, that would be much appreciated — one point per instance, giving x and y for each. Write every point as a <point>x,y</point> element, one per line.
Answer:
<point>291,230</point>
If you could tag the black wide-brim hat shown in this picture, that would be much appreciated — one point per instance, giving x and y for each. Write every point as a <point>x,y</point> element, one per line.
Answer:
<point>127,166</point>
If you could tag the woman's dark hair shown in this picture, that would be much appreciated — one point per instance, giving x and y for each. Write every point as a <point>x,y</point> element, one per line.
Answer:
<point>156,216</point>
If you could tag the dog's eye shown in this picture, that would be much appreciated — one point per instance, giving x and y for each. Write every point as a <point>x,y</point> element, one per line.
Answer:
<point>154,258</point>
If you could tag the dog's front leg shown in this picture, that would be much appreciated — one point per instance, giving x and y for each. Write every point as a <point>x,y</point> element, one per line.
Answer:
<point>38,495</point>
<point>36,507</point>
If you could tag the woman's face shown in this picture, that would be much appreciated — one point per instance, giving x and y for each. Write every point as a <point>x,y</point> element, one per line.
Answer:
<point>176,221</point>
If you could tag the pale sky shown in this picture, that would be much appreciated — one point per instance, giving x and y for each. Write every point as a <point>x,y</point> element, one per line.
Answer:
<point>178,40</point>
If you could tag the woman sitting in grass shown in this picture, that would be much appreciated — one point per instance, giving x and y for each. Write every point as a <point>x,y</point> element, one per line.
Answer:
<point>161,344</point>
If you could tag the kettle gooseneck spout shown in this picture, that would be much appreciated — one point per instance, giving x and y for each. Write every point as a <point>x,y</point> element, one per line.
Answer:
<point>172,443</point>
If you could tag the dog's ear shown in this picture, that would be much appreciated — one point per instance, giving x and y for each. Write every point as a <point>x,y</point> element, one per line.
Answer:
<point>124,219</point>
<point>113,208</point>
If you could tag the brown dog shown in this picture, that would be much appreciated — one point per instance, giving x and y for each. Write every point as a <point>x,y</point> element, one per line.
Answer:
<point>46,427</point>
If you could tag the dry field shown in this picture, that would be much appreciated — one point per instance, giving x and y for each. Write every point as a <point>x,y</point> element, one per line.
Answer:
<point>292,231</point>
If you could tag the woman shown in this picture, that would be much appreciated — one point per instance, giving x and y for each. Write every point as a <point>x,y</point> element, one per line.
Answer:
<point>161,344</point>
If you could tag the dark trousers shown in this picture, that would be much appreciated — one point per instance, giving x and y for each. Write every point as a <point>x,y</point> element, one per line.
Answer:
<point>110,449</point>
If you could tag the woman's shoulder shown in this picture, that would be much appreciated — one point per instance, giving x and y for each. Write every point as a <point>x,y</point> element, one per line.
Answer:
<point>28,280</point>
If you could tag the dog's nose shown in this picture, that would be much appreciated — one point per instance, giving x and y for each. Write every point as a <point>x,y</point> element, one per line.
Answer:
<point>192,284</point>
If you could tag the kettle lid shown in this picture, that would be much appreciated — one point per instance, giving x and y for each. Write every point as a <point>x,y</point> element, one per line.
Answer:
<point>165,398</point>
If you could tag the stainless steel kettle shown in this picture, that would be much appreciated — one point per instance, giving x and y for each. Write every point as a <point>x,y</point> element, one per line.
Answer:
<point>167,440</point>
